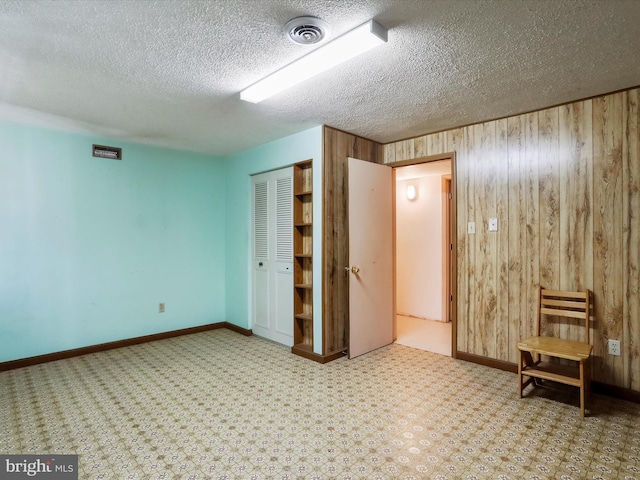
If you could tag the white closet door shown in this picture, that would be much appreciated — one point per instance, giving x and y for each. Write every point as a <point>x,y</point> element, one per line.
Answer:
<point>272,282</point>
<point>283,315</point>
<point>260,277</point>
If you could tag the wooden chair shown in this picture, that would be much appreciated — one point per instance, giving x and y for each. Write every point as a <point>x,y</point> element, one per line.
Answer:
<point>558,304</point>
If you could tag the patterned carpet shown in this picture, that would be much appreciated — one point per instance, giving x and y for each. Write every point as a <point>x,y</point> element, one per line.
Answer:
<point>220,405</point>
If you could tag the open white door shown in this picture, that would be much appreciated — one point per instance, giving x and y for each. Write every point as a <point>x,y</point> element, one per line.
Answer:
<point>370,256</point>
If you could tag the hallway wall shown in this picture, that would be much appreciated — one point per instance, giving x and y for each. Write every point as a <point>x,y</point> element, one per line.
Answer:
<point>419,248</point>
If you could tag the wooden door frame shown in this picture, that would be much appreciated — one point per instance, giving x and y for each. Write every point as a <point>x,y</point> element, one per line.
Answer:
<point>447,249</point>
<point>453,233</point>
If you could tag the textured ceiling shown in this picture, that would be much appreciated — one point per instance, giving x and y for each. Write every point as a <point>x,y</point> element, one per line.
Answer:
<point>168,72</point>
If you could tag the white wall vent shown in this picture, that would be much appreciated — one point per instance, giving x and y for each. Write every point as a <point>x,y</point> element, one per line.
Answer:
<point>114,153</point>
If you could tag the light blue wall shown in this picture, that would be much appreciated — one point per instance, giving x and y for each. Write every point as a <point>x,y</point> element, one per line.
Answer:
<point>89,247</point>
<point>239,168</point>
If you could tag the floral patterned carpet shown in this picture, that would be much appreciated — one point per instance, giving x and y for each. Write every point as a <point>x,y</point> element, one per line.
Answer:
<point>222,406</point>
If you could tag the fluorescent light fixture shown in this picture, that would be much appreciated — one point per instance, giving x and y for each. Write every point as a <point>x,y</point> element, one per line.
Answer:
<point>343,48</point>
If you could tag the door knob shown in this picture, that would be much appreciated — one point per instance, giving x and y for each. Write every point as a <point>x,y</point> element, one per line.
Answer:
<point>355,270</point>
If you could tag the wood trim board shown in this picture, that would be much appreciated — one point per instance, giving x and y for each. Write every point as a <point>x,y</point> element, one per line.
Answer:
<point>52,357</point>
<point>597,387</point>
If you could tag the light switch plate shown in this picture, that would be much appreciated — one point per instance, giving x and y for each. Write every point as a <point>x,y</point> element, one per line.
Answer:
<point>471,227</point>
<point>493,224</point>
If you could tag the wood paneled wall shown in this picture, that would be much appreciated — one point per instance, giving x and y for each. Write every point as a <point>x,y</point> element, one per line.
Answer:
<point>338,146</point>
<point>564,184</point>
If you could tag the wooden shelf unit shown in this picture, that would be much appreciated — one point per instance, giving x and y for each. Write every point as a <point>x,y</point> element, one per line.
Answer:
<point>303,258</point>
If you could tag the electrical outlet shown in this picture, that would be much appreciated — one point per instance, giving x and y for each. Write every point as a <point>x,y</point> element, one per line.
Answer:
<point>493,224</point>
<point>161,308</point>
<point>614,347</point>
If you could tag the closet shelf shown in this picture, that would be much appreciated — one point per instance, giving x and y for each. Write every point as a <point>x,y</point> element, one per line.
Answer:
<point>303,266</point>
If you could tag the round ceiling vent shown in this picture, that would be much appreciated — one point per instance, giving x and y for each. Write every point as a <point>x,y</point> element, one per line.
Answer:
<point>306,30</point>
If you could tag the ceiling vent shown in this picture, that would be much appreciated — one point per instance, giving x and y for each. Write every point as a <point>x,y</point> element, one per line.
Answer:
<point>114,153</point>
<point>306,30</point>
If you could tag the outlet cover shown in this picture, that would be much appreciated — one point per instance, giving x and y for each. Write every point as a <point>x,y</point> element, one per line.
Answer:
<point>471,228</point>
<point>161,308</point>
<point>493,224</point>
<point>614,347</point>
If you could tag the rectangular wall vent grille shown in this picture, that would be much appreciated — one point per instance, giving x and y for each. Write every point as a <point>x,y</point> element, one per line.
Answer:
<point>113,153</point>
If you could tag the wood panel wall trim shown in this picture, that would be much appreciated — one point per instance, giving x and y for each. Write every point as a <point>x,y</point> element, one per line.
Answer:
<point>426,159</point>
<point>616,392</point>
<point>352,135</point>
<point>311,355</point>
<point>489,362</point>
<point>235,328</point>
<point>76,352</point>
<point>454,256</point>
<point>597,387</point>
<point>558,105</point>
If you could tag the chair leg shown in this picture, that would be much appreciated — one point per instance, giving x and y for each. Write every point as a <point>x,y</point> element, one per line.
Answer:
<point>587,381</point>
<point>520,388</point>
<point>582,388</point>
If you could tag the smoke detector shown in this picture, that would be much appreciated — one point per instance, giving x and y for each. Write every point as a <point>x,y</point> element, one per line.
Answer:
<point>306,30</point>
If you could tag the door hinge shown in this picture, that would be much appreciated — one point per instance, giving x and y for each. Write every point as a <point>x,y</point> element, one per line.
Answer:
<point>451,246</point>
<point>450,195</point>
<point>451,298</point>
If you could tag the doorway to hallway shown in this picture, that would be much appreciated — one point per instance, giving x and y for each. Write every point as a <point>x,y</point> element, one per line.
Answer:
<point>423,256</point>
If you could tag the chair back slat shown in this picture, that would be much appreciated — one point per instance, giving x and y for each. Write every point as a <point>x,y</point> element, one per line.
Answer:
<point>564,304</point>
<point>563,313</point>
<point>563,294</point>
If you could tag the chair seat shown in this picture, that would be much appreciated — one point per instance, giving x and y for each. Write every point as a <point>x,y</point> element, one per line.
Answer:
<point>557,347</point>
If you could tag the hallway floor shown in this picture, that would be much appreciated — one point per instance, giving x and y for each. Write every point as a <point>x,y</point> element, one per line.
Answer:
<point>428,335</point>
